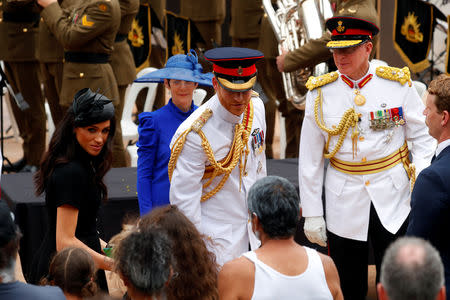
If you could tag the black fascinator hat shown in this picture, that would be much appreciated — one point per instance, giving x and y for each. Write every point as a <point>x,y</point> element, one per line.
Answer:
<point>91,108</point>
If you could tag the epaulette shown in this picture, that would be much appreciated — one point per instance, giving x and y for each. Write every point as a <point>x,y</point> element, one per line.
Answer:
<point>315,82</point>
<point>255,93</point>
<point>198,124</point>
<point>396,74</point>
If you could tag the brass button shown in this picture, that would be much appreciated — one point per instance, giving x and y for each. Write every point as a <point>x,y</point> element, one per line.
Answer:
<point>361,138</point>
<point>42,19</point>
<point>245,173</point>
<point>209,237</point>
<point>81,75</point>
<point>363,159</point>
<point>333,126</point>
<point>367,182</point>
<point>25,30</point>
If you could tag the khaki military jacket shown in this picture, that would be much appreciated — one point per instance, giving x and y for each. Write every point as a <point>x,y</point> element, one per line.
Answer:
<point>315,51</point>
<point>203,10</point>
<point>122,60</point>
<point>158,6</point>
<point>18,30</point>
<point>89,26</point>
<point>246,18</point>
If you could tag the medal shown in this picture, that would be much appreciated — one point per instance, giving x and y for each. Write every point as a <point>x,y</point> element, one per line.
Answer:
<point>359,99</point>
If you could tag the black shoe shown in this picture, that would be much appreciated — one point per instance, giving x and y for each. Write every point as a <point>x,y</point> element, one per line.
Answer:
<point>14,167</point>
<point>28,169</point>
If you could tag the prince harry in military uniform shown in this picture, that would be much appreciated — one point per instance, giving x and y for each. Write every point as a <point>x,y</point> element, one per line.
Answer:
<point>361,118</point>
<point>218,153</point>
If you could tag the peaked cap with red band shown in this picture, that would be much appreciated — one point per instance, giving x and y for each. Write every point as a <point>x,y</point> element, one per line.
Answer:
<point>349,31</point>
<point>234,67</point>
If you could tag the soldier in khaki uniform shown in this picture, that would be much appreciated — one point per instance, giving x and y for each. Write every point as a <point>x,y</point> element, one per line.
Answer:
<point>87,30</point>
<point>311,54</point>
<point>315,51</point>
<point>122,61</point>
<point>272,84</point>
<point>18,41</point>
<point>208,16</point>
<point>50,54</point>
<point>246,31</point>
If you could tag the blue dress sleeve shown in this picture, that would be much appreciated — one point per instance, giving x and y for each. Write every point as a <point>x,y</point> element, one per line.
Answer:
<point>147,146</point>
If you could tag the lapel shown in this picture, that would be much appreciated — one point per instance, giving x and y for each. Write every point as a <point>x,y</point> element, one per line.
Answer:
<point>443,153</point>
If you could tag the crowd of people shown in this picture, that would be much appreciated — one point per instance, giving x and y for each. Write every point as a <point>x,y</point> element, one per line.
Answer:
<point>212,224</point>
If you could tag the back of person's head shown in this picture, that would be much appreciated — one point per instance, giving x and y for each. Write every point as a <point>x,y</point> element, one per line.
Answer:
<point>411,269</point>
<point>275,201</point>
<point>9,243</point>
<point>440,87</point>
<point>73,270</point>
<point>144,260</point>
<point>195,266</point>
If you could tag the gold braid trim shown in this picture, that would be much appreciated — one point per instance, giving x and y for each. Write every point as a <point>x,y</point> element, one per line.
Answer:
<point>395,74</point>
<point>350,118</point>
<point>226,166</point>
<point>179,142</point>
<point>412,175</point>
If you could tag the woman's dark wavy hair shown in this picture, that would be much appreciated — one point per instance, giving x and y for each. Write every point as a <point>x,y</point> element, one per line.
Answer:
<point>62,149</point>
<point>73,270</point>
<point>196,266</point>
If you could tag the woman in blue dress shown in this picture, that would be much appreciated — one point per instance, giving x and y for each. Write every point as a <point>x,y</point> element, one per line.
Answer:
<point>181,75</point>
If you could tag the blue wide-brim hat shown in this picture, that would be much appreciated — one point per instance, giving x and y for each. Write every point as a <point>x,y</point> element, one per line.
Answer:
<point>180,67</point>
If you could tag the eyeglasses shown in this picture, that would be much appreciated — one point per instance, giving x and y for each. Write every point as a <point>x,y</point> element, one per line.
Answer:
<point>180,82</point>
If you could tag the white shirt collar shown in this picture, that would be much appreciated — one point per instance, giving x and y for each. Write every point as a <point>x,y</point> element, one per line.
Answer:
<point>222,112</point>
<point>441,146</point>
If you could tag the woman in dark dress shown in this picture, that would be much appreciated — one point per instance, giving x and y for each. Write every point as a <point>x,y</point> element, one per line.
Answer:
<point>71,175</point>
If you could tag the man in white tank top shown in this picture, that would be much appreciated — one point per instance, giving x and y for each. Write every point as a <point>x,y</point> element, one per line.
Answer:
<point>281,268</point>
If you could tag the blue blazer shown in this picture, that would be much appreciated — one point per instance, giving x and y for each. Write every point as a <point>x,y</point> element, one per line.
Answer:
<point>430,208</point>
<point>156,130</point>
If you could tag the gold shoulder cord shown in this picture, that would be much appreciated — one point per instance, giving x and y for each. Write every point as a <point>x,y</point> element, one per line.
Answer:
<point>395,74</point>
<point>234,156</point>
<point>350,118</point>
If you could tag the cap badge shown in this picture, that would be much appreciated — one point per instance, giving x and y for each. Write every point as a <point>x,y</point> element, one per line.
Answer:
<point>240,71</point>
<point>340,28</point>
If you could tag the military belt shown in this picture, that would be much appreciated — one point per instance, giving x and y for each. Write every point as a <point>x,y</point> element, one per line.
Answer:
<point>374,166</point>
<point>20,17</point>
<point>87,57</point>
<point>120,37</point>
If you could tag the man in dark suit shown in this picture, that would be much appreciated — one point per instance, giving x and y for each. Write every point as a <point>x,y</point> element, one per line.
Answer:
<point>430,200</point>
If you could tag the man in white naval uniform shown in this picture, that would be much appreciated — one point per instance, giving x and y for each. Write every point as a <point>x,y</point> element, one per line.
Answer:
<point>218,153</point>
<point>361,118</point>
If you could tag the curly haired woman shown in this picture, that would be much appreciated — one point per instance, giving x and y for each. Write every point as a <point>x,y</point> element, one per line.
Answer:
<point>195,267</point>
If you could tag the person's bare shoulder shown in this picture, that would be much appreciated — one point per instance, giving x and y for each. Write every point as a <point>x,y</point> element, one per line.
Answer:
<point>236,279</point>
<point>332,276</point>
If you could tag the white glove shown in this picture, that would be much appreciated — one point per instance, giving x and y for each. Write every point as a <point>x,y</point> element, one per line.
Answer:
<point>315,230</point>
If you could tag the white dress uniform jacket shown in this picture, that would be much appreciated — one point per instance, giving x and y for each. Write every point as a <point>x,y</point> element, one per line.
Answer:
<point>224,217</point>
<point>348,197</point>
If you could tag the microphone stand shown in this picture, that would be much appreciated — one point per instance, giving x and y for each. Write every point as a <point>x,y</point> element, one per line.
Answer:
<point>20,102</point>
<point>2,85</point>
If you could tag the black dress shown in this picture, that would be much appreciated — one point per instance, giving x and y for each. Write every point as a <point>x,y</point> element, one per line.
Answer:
<point>73,184</point>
